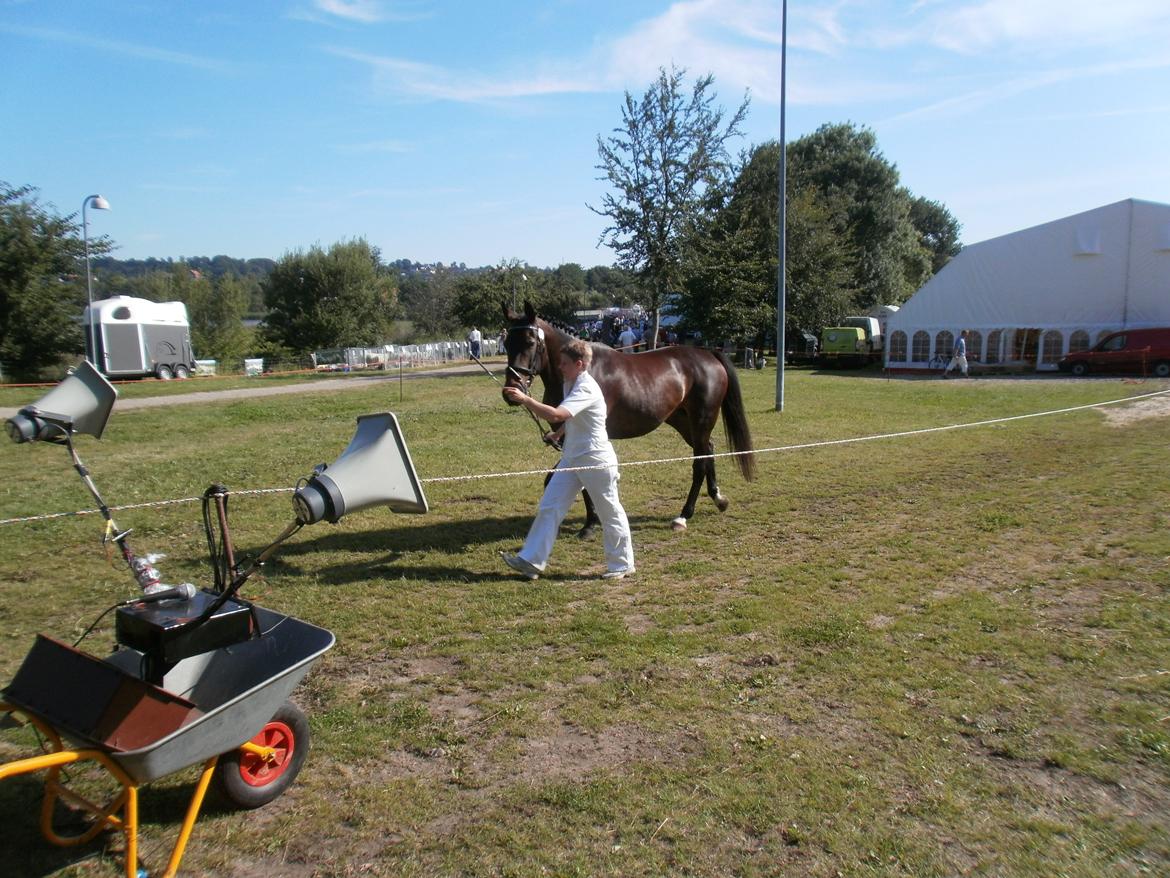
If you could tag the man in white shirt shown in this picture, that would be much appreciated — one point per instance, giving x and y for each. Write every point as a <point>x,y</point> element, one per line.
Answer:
<point>474,338</point>
<point>584,444</point>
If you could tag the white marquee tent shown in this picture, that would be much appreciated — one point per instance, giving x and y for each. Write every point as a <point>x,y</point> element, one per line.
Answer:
<point>1030,297</point>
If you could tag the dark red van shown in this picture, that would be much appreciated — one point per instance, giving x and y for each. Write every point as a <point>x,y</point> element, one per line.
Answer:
<point>1146,351</point>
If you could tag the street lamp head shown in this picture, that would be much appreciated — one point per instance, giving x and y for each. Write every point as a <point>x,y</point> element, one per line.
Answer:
<point>97,202</point>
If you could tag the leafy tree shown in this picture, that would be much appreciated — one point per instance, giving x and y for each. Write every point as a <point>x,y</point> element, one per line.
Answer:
<point>42,282</point>
<point>938,231</point>
<point>732,259</point>
<point>571,276</point>
<point>613,286</point>
<point>868,208</point>
<point>428,300</point>
<point>327,299</point>
<point>478,297</point>
<point>668,153</point>
<point>216,309</point>
<point>556,293</point>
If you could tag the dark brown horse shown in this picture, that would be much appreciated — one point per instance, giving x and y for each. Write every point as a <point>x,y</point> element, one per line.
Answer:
<point>685,387</point>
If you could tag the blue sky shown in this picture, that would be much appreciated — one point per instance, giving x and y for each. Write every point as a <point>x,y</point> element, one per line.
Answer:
<point>467,131</point>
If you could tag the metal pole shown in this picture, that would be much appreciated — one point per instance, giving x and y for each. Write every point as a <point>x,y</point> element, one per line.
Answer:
<point>780,268</point>
<point>99,203</point>
<point>91,348</point>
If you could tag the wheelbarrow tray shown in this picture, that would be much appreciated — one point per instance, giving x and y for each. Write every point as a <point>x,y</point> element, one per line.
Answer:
<point>209,704</point>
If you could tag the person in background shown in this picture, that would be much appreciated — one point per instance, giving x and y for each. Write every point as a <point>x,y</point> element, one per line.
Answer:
<point>959,358</point>
<point>627,340</point>
<point>584,444</point>
<point>475,339</point>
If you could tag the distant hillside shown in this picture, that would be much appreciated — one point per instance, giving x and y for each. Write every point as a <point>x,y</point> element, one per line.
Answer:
<point>208,266</point>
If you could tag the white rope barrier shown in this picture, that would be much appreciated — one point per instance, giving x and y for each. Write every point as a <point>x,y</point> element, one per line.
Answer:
<point>473,477</point>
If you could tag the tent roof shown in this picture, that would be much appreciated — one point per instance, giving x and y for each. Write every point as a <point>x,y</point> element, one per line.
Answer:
<point>1107,267</point>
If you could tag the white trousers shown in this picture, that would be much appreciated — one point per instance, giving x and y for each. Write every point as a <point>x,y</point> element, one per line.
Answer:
<point>562,490</point>
<point>958,360</point>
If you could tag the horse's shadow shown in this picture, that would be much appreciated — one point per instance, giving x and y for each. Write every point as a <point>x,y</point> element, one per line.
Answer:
<point>380,553</point>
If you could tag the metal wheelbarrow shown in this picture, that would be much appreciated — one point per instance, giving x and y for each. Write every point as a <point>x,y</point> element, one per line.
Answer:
<point>225,708</point>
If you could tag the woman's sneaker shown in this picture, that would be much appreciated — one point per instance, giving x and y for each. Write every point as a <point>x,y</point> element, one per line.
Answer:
<point>525,568</point>
<point>619,574</point>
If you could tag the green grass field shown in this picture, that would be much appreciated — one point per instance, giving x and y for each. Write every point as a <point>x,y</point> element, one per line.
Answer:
<point>943,654</point>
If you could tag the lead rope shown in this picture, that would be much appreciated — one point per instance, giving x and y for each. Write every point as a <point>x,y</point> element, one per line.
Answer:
<point>535,419</point>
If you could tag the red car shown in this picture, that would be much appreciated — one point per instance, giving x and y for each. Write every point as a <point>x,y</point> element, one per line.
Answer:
<point>1146,351</point>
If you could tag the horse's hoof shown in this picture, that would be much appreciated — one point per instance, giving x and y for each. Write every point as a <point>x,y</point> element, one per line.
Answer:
<point>678,524</point>
<point>587,532</point>
<point>721,503</point>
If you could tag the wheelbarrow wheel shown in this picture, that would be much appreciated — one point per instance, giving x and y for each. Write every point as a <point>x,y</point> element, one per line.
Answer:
<point>248,780</point>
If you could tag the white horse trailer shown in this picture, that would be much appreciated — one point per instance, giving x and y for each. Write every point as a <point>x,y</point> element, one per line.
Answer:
<point>137,337</point>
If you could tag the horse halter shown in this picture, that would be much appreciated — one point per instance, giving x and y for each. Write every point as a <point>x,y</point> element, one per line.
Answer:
<point>527,374</point>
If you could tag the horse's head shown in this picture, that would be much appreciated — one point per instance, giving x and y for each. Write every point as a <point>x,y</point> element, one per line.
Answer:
<point>524,343</point>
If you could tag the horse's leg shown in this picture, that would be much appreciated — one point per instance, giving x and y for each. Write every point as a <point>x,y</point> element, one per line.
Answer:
<point>712,485</point>
<point>682,422</point>
<point>591,520</point>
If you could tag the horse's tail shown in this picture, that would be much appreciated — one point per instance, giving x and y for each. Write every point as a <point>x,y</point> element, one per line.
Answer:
<point>739,437</point>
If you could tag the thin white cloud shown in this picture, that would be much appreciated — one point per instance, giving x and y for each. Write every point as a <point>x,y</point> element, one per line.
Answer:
<point>999,91</point>
<point>184,133</point>
<point>186,188</point>
<point>117,47</point>
<point>1035,24</point>
<point>364,11</point>
<point>376,146</point>
<point>739,42</point>
<point>412,79</point>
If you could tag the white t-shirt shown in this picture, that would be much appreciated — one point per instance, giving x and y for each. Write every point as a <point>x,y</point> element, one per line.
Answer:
<point>474,335</point>
<point>585,431</point>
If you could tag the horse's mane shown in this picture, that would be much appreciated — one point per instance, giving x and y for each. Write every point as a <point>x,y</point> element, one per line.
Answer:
<point>567,329</point>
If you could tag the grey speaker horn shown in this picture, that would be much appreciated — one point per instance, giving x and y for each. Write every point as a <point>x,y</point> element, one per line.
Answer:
<point>81,403</point>
<point>375,470</point>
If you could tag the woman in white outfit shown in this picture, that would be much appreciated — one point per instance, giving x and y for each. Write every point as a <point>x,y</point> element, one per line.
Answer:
<point>584,444</point>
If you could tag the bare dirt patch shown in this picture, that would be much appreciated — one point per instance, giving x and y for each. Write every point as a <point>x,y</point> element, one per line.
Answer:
<point>1142,409</point>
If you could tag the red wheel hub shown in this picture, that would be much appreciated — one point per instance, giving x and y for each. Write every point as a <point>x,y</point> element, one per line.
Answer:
<point>258,771</point>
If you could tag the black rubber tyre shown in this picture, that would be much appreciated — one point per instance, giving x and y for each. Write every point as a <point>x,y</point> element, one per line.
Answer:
<point>164,373</point>
<point>1079,370</point>
<point>181,371</point>
<point>1162,369</point>
<point>246,780</point>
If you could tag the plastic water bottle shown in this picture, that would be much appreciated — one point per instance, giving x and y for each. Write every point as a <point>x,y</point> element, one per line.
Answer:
<point>147,574</point>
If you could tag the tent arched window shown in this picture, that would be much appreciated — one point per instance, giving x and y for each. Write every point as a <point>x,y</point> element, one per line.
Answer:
<point>993,338</point>
<point>975,345</point>
<point>898,347</point>
<point>920,347</point>
<point>944,344</point>
<point>1053,347</point>
<point>1078,341</point>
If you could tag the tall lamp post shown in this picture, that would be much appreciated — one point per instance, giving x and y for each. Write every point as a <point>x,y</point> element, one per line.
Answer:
<point>781,268</point>
<point>98,203</point>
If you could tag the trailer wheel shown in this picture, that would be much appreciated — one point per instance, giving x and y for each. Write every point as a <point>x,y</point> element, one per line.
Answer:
<point>250,781</point>
<point>164,373</point>
<point>181,371</point>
